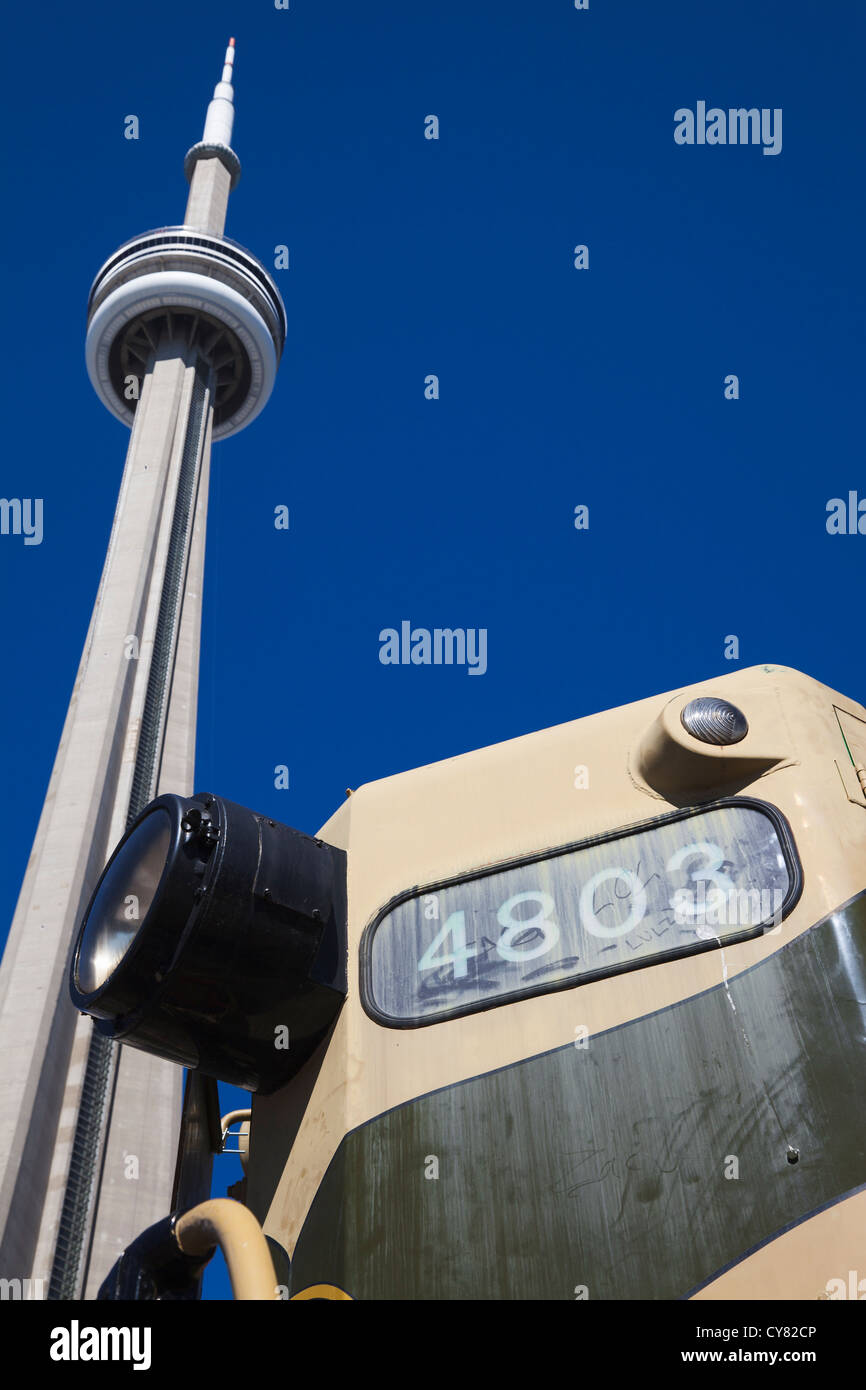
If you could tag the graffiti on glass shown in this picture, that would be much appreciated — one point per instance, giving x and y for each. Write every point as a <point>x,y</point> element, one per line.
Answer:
<point>676,885</point>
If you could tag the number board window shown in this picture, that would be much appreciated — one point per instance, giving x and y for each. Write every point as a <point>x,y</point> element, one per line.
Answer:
<point>687,882</point>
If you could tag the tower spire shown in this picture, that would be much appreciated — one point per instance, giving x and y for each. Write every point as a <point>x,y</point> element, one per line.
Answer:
<point>212,167</point>
<point>221,111</point>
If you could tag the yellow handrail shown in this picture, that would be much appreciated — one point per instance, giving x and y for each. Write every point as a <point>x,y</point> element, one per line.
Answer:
<point>231,1226</point>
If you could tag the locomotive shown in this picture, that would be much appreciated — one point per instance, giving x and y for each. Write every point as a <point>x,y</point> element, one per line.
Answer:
<point>581,1015</point>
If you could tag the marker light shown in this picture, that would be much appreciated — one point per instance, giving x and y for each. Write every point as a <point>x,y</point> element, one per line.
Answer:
<point>216,938</point>
<point>714,721</point>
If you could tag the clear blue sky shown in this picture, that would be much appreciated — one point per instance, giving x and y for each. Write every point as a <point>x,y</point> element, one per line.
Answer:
<point>558,387</point>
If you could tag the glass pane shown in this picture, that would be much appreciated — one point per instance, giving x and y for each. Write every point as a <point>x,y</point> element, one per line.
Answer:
<point>709,876</point>
<point>123,900</point>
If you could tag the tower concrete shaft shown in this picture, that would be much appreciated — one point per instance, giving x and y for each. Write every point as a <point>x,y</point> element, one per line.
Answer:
<point>118,748</point>
<point>181,344</point>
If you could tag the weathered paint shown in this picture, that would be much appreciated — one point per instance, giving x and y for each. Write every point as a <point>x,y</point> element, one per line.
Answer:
<point>605,1167</point>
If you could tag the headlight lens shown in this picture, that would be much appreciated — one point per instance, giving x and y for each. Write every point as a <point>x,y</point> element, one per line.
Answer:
<point>123,900</point>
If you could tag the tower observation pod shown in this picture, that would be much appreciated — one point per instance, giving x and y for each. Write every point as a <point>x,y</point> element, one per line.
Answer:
<point>185,329</point>
<point>191,284</point>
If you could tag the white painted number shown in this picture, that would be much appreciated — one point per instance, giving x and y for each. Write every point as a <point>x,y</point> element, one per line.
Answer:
<point>587,902</point>
<point>542,923</point>
<point>515,926</point>
<point>710,872</point>
<point>455,926</point>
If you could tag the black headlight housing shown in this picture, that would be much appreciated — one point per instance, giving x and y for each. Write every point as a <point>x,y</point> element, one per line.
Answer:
<point>231,956</point>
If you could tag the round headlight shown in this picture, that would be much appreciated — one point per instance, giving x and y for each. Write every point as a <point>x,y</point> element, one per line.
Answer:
<point>714,721</point>
<point>216,938</point>
<point>124,898</point>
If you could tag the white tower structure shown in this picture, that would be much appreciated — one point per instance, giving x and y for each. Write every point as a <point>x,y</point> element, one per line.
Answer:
<point>184,335</point>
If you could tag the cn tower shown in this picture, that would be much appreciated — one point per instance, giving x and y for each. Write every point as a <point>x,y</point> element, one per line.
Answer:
<point>185,329</point>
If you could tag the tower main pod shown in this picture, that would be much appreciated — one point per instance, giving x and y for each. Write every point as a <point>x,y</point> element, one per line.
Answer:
<point>185,332</point>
